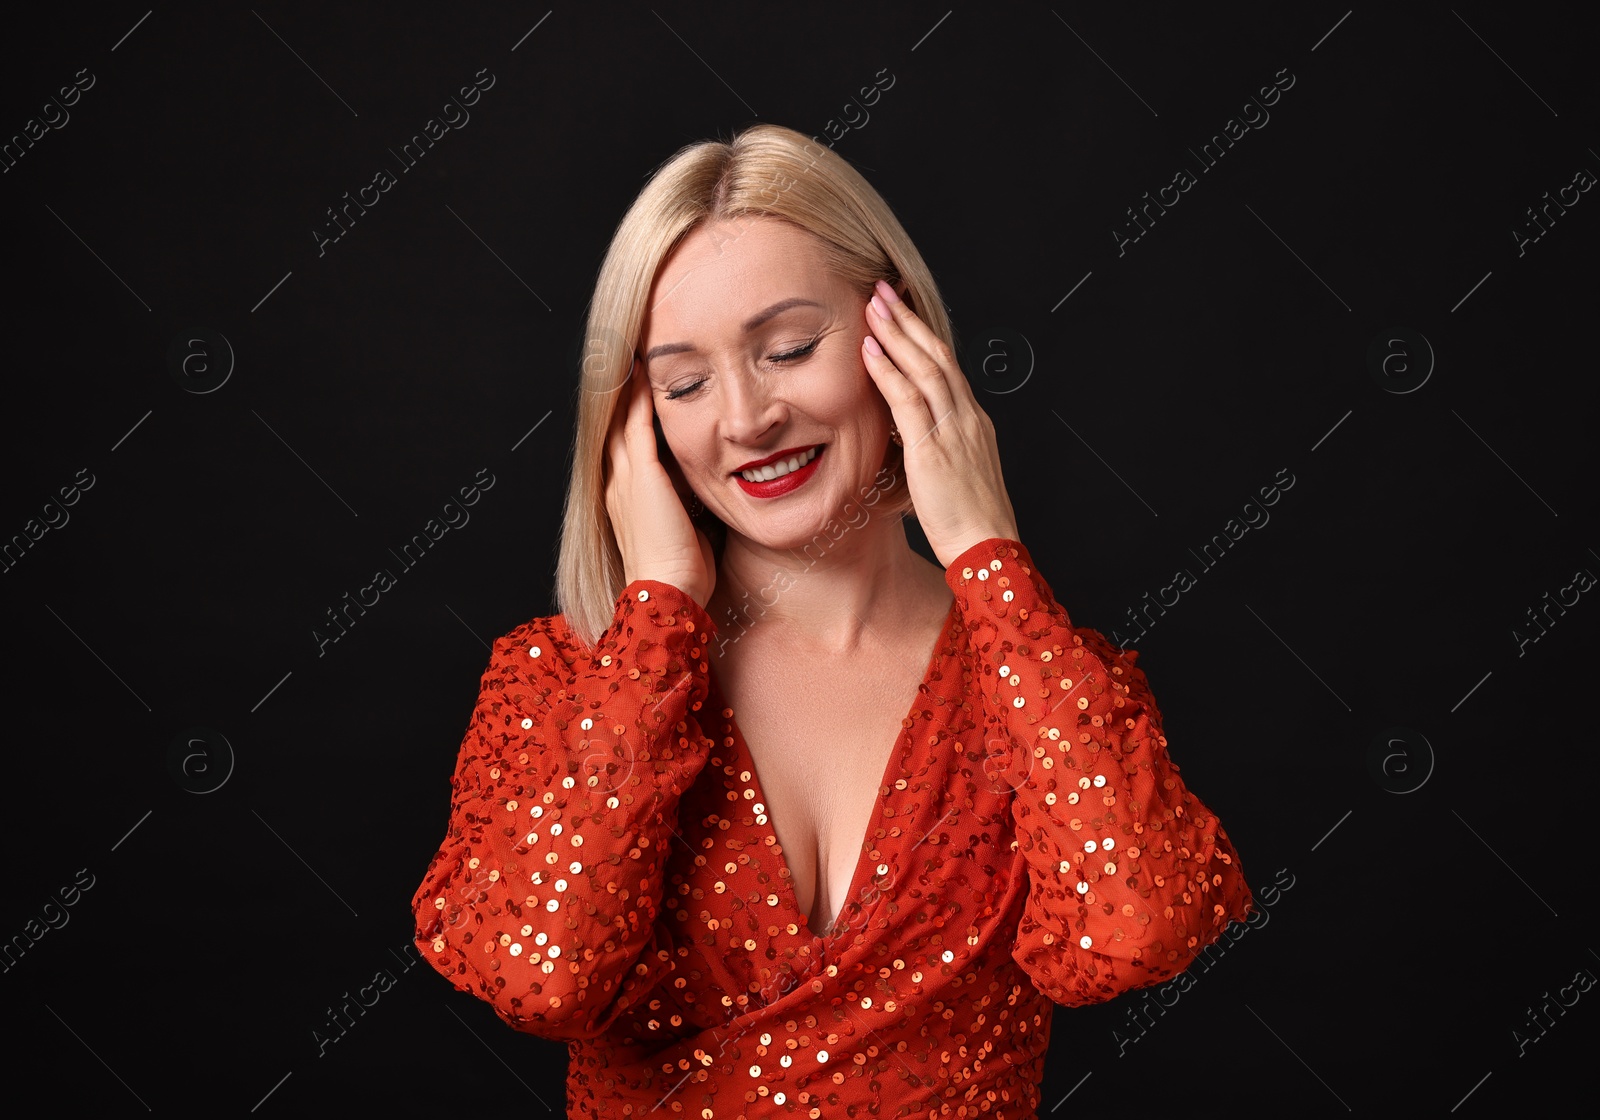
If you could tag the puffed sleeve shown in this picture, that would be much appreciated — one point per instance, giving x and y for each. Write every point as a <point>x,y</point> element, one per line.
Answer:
<point>1130,875</point>
<point>544,896</point>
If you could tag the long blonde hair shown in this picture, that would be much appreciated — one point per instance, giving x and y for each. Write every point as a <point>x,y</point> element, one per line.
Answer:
<point>764,171</point>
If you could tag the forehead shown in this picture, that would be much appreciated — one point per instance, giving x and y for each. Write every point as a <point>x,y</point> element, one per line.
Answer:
<point>724,271</point>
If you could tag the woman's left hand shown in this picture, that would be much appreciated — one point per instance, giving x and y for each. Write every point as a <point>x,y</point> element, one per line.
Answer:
<point>952,461</point>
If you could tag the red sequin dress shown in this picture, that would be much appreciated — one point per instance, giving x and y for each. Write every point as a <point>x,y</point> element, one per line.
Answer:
<point>610,877</point>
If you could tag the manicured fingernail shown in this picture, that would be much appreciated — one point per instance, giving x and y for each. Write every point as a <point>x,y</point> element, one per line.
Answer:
<point>888,292</point>
<point>872,346</point>
<point>878,306</point>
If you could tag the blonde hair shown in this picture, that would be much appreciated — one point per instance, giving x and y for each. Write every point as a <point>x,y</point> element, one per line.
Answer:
<point>764,171</point>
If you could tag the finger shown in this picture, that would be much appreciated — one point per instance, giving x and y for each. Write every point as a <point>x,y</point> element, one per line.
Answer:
<point>916,330</point>
<point>923,394</point>
<point>674,469</point>
<point>915,350</point>
<point>637,429</point>
<point>616,431</point>
<point>907,403</point>
<point>893,297</point>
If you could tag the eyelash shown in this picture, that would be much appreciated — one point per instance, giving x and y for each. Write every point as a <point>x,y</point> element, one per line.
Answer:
<point>791,356</point>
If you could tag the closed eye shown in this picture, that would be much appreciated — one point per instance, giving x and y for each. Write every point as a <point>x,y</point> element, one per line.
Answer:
<point>793,354</point>
<point>790,356</point>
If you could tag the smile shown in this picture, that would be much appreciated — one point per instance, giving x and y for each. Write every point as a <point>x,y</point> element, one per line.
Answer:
<point>780,478</point>
<point>781,467</point>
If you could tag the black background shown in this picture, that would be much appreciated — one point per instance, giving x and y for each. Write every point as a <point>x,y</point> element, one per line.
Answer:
<point>1433,903</point>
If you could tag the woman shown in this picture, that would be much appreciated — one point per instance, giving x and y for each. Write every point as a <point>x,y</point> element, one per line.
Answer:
<point>829,900</point>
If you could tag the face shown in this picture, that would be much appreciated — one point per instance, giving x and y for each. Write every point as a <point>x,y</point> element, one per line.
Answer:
<point>752,348</point>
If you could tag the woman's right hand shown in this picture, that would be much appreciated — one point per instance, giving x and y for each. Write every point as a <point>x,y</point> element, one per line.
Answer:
<point>654,533</point>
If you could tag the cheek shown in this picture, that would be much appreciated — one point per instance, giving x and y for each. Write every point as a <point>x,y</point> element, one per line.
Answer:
<point>846,390</point>
<point>684,443</point>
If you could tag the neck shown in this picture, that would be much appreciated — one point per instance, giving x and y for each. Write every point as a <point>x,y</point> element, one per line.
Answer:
<point>828,596</point>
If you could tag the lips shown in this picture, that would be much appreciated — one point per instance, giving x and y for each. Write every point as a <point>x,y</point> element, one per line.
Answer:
<point>780,468</point>
<point>786,483</point>
<point>777,456</point>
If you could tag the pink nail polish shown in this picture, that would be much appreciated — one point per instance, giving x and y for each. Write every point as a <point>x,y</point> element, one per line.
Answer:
<point>878,306</point>
<point>888,293</point>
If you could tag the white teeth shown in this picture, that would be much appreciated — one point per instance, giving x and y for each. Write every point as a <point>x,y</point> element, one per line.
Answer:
<point>780,468</point>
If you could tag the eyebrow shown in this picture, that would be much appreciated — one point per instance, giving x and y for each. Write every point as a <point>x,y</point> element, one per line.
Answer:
<point>750,324</point>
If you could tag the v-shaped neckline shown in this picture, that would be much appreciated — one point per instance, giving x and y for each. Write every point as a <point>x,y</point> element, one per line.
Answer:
<point>786,881</point>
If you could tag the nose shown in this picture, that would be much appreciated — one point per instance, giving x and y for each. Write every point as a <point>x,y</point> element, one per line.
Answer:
<point>750,409</point>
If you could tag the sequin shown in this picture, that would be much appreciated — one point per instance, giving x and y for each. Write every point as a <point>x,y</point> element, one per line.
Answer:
<point>673,957</point>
